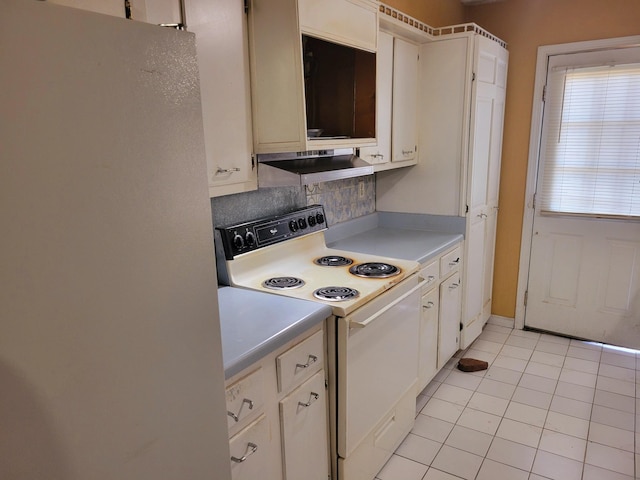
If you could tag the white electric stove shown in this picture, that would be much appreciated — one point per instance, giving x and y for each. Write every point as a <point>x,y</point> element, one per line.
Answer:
<point>371,339</point>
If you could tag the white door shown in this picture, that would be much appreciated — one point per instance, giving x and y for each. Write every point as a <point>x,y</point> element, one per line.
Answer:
<point>584,269</point>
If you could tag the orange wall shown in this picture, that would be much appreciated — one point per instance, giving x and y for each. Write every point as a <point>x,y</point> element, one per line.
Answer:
<point>525,25</point>
<point>435,13</point>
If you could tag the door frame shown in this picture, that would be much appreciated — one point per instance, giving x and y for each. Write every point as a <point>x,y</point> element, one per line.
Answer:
<point>544,52</point>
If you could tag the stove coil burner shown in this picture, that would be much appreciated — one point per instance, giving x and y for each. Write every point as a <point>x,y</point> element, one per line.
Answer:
<point>333,261</point>
<point>374,270</point>
<point>283,283</point>
<point>336,294</point>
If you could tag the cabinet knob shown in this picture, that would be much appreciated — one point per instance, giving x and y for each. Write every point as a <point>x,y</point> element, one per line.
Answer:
<point>455,262</point>
<point>251,449</point>
<point>453,286</point>
<point>377,155</point>
<point>407,152</point>
<point>482,215</point>
<point>428,305</point>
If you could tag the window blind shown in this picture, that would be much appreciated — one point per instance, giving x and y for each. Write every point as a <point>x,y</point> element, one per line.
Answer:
<point>591,141</point>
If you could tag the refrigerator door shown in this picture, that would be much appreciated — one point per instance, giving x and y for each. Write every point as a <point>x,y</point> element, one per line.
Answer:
<point>110,353</point>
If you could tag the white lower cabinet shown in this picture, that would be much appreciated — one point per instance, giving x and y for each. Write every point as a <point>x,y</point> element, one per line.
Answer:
<point>439,337</point>
<point>450,309</point>
<point>303,416</point>
<point>428,363</point>
<point>249,451</point>
<point>277,411</point>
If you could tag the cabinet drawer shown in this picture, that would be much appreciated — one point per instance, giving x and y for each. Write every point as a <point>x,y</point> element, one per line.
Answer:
<point>244,399</point>
<point>300,362</point>
<point>249,452</point>
<point>450,262</point>
<point>430,274</point>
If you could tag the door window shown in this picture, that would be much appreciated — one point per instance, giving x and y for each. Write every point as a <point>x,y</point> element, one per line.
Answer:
<point>591,140</point>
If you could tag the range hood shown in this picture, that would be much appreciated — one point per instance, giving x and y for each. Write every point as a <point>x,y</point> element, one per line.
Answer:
<point>304,168</point>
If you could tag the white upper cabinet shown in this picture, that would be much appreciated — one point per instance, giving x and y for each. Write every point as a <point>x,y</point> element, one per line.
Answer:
<point>397,108</point>
<point>380,154</point>
<point>404,130</point>
<point>223,60</point>
<point>312,74</point>
<point>347,22</point>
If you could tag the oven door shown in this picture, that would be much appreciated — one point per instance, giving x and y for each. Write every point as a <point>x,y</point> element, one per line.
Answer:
<point>377,369</point>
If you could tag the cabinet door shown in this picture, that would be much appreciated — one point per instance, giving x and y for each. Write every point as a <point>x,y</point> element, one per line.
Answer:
<point>303,416</point>
<point>474,279</point>
<point>249,451</point>
<point>428,350</point>
<point>381,153</point>
<point>404,138</point>
<point>449,332</point>
<point>483,168</point>
<point>222,47</point>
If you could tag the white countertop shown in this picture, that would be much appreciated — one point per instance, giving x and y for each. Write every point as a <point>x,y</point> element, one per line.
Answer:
<point>254,324</point>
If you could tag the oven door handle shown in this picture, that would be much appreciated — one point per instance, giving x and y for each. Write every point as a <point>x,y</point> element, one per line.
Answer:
<point>372,318</point>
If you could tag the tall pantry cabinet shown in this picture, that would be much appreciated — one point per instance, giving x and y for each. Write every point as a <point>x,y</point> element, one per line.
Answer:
<point>462,82</point>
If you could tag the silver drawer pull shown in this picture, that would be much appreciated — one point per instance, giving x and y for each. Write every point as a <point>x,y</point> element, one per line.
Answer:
<point>377,155</point>
<point>311,359</point>
<point>251,449</point>
<point>482,215</point>
<point>237,417</point>
<point>220,171</point>
<point>312,398</point>
<point>407,152</point>
<point>428,305</point>
<point>454,286</point>
<point>455,262</point>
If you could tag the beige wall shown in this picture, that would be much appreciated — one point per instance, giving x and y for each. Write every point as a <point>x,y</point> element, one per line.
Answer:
<point>524,25</point>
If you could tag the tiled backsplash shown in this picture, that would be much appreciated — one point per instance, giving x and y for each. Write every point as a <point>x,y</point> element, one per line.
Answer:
<point>342,200</point>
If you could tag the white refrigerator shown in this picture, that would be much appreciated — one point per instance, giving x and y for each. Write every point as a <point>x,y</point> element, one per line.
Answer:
<point>110,350</point>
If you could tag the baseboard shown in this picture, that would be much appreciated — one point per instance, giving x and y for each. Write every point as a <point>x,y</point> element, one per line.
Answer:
<point>502,321</point>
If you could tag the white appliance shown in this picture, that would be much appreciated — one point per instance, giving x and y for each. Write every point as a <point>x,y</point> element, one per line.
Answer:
<point>110,352</point>
<point>372,336</point>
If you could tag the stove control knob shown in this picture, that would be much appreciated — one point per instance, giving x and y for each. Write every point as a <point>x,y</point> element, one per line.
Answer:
<point>319,218</point>
<point>293,226</point>
<point>238,241</point>
<point>311,220</point>
<point>250,239</point>
<point>302,223</point>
